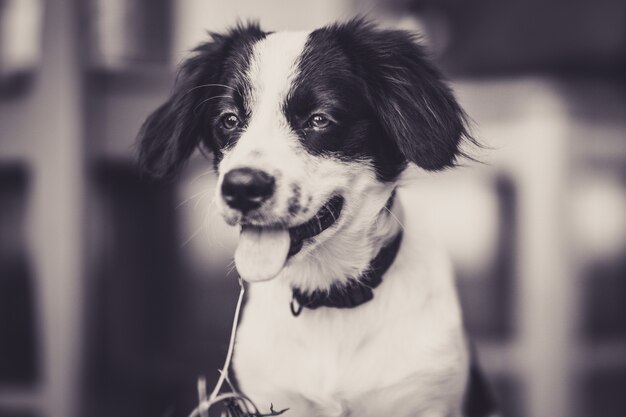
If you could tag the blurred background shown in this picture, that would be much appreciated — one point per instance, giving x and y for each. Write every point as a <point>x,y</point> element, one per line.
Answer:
<point>113,292</point>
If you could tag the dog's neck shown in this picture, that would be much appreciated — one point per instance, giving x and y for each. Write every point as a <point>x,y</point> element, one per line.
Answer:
<point>352,294</point>
<point>348,253</point>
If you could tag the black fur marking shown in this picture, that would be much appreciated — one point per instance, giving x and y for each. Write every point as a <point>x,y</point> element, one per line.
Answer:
<point>293,205</point>
<point>190,116</point>
<point>389,103</point>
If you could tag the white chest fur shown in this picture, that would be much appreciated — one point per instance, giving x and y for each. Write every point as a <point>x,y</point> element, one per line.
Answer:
<point>401,354</point>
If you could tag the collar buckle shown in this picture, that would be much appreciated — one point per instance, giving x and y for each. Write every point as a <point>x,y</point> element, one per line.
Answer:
<point>295,306</point>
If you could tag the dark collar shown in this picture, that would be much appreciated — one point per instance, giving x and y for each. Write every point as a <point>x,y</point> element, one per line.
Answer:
<point>355,292</point>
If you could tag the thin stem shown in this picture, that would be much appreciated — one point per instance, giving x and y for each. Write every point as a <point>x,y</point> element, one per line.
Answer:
<point>202,395</point>
<point>231,346</point>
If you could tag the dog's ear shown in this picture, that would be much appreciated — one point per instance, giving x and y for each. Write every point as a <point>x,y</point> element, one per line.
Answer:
<point>415,107</point>
<point>172,132</point>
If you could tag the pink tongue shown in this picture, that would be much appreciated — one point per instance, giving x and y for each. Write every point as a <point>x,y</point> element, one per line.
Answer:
<point>261,252</point>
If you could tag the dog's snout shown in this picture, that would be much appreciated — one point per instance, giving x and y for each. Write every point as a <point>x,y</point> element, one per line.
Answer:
<point>246,189</point>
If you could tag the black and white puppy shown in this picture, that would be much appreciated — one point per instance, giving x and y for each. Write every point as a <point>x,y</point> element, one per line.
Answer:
<point>353,311</point>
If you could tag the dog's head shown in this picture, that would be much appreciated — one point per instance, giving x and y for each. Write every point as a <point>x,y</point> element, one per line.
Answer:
<point>309,131</point>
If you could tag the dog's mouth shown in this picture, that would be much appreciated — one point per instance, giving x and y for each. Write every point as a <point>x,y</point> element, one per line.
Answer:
<point>323,219</point>
<point>262,251</point>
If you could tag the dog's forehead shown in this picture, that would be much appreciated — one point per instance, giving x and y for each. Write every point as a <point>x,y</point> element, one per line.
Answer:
<point>274,66</point>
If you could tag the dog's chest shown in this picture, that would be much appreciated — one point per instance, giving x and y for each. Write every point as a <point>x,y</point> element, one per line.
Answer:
<point>331,362</point>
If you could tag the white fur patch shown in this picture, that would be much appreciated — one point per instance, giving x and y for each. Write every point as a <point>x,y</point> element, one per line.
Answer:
<point>273,67</point>
<point>268,142</point>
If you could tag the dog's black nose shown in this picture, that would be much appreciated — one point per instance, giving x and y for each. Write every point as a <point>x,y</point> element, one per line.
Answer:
<point>246,189</point>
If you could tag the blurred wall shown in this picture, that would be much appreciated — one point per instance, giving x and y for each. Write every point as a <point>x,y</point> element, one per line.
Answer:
<point>42,133</point>
<point>127,289</point>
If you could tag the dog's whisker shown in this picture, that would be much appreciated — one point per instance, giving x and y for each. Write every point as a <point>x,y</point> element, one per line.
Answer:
<point>395,218</point>
<point>193,197</point>
<point>212,239</point>
<point>207,100</point>
<point>319,221</point>
<point>196,233</point>
<point>231,268</point>
<point>198,201</point>
<point>210,85</point>
<point>203,222</point>
<point>212,201</point>
<point>204,174</point>
<point>332,214</point>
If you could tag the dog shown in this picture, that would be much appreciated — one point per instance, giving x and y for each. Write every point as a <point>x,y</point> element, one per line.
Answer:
<point>351,310</point>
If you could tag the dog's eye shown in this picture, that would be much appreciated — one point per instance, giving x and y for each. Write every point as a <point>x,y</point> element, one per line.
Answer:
<point>318,121</point>
<point>229,121</point>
